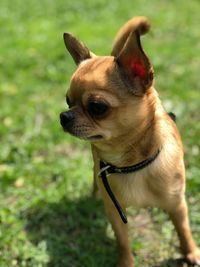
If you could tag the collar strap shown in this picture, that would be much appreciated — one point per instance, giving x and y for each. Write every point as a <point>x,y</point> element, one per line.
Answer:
<point>106,169</point>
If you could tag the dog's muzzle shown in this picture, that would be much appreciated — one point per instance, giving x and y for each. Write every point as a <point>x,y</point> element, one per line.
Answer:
<point>67,119</point>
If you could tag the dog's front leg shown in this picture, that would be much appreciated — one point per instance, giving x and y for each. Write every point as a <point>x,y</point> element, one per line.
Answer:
<point>121,231</point>
<point>179,216</point>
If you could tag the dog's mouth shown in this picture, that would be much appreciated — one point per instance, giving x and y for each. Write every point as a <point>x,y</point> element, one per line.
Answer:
<point>95,137</point>
<point>87,138</point>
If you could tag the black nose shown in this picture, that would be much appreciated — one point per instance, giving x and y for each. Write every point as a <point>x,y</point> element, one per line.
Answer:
<point>66,118</point>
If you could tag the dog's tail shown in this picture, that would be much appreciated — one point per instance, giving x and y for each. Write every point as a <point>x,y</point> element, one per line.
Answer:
<point>139,24</point>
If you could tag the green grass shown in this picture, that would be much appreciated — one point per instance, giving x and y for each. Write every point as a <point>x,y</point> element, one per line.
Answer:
<point>47,217</point>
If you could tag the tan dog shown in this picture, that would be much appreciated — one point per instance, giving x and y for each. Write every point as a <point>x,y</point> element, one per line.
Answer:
<point>114,105</point>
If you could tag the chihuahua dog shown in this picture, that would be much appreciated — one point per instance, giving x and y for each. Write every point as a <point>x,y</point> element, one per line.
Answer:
<point>113,104</point>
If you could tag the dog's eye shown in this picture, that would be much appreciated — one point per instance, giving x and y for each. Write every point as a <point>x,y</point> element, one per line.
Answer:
<point>97,108</point>
<point>68,102</point>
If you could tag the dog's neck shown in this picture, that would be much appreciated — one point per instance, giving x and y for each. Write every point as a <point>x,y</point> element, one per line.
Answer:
<point>131,148</point>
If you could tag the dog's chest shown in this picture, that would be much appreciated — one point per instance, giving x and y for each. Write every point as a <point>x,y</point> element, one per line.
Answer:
<point>132,189</point>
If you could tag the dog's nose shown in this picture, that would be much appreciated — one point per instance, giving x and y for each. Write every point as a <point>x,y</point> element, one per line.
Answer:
<point>66,118</point>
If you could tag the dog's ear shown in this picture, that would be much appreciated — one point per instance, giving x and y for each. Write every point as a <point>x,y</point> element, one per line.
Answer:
<point>135,65</point>
<point>77,49</point>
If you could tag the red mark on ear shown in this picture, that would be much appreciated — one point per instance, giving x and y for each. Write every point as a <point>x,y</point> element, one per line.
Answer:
<point>137,67</point>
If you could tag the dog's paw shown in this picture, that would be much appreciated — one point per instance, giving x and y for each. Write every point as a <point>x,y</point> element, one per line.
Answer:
<point>194,257</point>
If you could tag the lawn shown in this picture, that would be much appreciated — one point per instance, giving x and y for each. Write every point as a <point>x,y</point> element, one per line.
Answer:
<point>47,215</point>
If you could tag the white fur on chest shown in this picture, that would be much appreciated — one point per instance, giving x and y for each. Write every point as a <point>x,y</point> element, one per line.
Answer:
<point>131,189</point>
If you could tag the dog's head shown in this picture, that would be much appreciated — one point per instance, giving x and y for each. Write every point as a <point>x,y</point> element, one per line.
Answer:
<point>109,96</point>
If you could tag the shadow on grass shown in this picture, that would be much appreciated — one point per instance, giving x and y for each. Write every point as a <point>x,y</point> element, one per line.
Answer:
<point>74,232</point>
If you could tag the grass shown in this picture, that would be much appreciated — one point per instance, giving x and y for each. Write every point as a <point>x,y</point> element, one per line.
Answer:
<point>47,217</point>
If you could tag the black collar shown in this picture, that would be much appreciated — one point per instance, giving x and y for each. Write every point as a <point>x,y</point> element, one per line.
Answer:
<point>106,168</point>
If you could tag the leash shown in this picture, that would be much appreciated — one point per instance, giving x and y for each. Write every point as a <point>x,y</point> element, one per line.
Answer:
<point>106,169</point>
